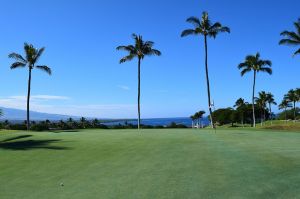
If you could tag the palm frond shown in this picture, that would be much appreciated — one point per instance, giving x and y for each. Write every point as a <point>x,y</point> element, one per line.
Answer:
<point>265,63</point>
<point>45,69</point>
<point>128,48</point>
<point>149,44</point>
<point>297,52</point>
<point>17,65</point>
<point>291,35</point>
<point>243,65</point>
<point>289,42</point>
<point>127,58</point>
<point>266,69</point>
<point>17,57</point>
<point>188,32</point>
<point>154,52</point>
<point>195,21</point>
<point>38,54</point>
<point>225,29</point>
<point>245,70</point>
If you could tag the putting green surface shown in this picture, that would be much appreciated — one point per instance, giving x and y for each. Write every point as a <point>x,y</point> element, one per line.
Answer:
<point>150,164</point>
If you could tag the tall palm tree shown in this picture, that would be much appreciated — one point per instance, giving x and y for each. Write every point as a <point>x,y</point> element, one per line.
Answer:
<point>32,56</point>
<point>241,104</point>
<point>205,28</point>
<point>138,50</point>
<point>292,97</point>
<point>284,105</point>
<point>255,64</point>
<point>292,38</point>
<point>261,101</point>
<point>270,101</point>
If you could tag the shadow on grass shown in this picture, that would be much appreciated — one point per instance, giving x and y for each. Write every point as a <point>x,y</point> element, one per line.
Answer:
<point>12,144</point>
<point>16,138</point>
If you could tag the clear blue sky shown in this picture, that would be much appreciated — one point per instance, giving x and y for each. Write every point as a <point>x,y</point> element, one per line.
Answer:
<point>80,37</point>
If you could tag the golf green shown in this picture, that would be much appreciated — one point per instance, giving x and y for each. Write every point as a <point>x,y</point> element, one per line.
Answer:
<point>169,163</point>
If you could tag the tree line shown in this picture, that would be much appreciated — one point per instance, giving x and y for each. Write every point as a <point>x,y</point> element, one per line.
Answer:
<point>242,111</point>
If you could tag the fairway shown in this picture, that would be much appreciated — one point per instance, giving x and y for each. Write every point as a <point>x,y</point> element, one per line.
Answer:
<point>149,164</point>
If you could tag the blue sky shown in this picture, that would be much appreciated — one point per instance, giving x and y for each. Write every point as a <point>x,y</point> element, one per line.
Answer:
<point>81,36</point>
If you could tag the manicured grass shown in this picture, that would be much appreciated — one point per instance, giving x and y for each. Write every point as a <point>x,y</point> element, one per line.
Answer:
<point>151,164</point>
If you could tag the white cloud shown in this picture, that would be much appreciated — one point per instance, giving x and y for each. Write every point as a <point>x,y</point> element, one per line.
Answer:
<point>123,87</point>
<point>37,97</point>
<point>44,104</point>
<point>50,97</point>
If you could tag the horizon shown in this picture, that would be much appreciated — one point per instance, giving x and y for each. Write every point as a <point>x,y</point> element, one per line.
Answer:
<point>88,80</point>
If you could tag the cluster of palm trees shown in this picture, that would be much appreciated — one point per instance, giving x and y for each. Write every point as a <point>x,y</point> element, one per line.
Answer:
<point>264,102</point>
<point>140,49</point>
<point>289,101</point>
<point>196,119</point>
<point>256,64</point>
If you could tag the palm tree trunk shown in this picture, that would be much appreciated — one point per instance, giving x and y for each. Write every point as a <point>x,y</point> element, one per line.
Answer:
<point>285,115</point>
<point>139,92</point>
<point>243,119</point>
<point>271,118</point>
<point>264,111</point>
<point>261,117</point>
<point>28,99</point>
<point>294,111</point>
<point>253,91</point>
<point>207,83</point>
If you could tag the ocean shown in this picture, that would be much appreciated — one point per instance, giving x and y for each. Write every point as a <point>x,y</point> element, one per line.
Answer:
<point>159,121</point>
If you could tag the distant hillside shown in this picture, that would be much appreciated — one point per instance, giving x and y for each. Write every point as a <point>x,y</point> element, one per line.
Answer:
<point>17,114</point>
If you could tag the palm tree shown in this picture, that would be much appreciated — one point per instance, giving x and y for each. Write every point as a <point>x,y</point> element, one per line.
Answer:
<point>292,38</point>
<point>83,122</point>
<point>270,101</point>
<point>261,101</point>
<point>193,118</point>
<point>139,50</point>
<point>241,104</point>
<point>205,28</point>
<point>32,56</point>
<point>199,117</point>
<point>255,64</point>
<point>292,97</point>
<point>284,105</point>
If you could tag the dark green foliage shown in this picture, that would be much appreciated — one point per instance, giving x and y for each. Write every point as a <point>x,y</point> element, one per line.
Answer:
<point>289,114</point>
<point>242,115</point>
<point>42,126</point>
<point>174,125</point>
<point>16,127</point>
<point>224,116</point>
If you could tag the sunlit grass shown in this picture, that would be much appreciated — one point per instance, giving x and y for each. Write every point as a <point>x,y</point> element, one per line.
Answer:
<point>181,163</point>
